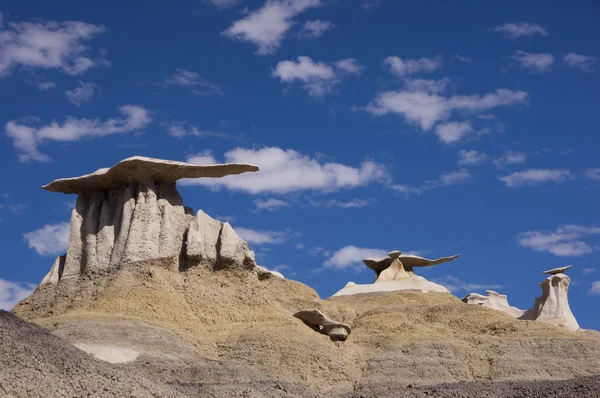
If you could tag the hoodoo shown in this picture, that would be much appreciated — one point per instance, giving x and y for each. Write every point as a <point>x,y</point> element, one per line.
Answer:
<point>395,272</point>
<point>132,212</point>
<point>551,307</point>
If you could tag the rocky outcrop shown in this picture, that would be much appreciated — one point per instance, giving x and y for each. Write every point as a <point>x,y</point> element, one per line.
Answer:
<point>316,320</point>
<point>551,307</point>
<point>132,212</point>
<point>494,301</point>
<point>395,272</point>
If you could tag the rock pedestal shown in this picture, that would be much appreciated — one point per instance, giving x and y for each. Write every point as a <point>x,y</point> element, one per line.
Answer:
<point>395,272</point>
<point>551,307</point>
<point>132,213</point>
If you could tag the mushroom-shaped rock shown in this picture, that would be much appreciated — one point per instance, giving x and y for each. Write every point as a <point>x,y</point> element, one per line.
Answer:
<point>132,213</point>
<point>395,272</point>
<point>553,305</point>
<point>494,301</point>
<point>316,320</point>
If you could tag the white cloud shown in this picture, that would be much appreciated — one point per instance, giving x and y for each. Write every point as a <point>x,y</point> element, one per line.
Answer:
<point>583,62</point>
<point>587,271</point>
<point>564,241</point>
<point>592,173</point>
<point>471,158</point>
<point>345,205</point>
<point>222,4</point>
<point>595,289</point>
<point>270,204</point>
<point>318,78</point>
<point>452,132</point>
<point>192,82</point>
<point>13,292</point>
<point>427,85</point>
<point>27,138</point>
<point>540,62</point>
<point>457,177</point>
<point>81,94</point>
<point>351,257</point>
<point>520,29</point>
<point>426,109</point>
<point>510,157</point>
<point>256,237</point>
<point>349,65</point>
<point>50,239</point>
<point>283,171</point>
<point>404,67</point>
<point>465,60</point>
<point>536,177</point>
<point>316,28</point>
<point>45,86</point>
<point>267,26</point>
<point>456,285</point>
<point>183,129</point>
<point>47,45</point>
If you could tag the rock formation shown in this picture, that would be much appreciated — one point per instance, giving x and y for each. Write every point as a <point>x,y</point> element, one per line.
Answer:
<point>132,212</point>
<point>551,307</point>
<point>494,301</point>
<point>395,272</point>
<point>316,320</point>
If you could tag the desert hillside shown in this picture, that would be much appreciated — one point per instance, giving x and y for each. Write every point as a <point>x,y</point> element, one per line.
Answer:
<point>230,326</point>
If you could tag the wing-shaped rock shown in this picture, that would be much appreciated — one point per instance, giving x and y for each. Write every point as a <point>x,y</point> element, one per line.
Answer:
<point>555,271</point>
<point>319,322</point>
<point>140,169</point>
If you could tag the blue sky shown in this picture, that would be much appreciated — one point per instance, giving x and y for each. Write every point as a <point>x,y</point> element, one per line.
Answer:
<point>431,127</point>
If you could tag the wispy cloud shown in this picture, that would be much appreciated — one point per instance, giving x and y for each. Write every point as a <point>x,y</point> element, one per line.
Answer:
<point>404,67</point>
<point>192,82</point>
<point>594,289</point>
<point>520,29</point>
<point>425,109</point>
<point>582,62</point>
<point>314,29</point>
<point>354,203</point>
<point>510,157</point>
<point>592,173</point>
<point>587,271</point>
<point>456,285</point>
<point>318,78</point>
<point>351,257</point>
<point>539,62</point>
<point>536,177</point>
<point>184,129</point>
<point>83,93</point>
<point>283,171</point>
<point>270,204</point>
<point>457,177</point>
<point>471,158</point>
<point>259,237</point>
<point>267,27</point>
<point>452,132</point>
<point>47,45</point>
<point>45,86</point>
<point>464,60</point>
<point>222,4</point>
<point>564,241</point>
<point>50,239</point>
<point>13,292</point>
<point>27,138</point>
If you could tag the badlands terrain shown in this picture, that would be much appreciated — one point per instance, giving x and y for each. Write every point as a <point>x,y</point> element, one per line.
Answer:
<point>154,300</point>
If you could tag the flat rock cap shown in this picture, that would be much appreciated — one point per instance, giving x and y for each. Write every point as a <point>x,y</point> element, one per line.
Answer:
<point>555,271</point>
<point>142,169</point>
